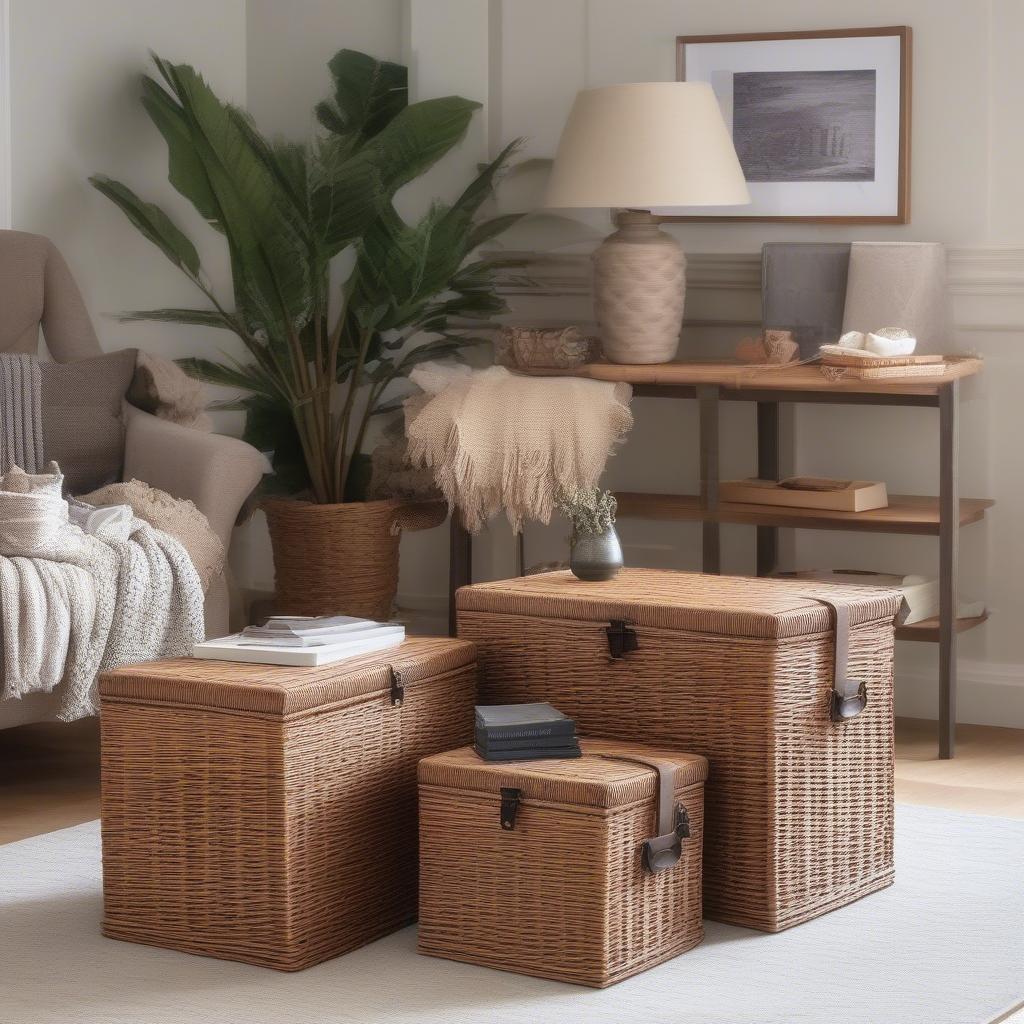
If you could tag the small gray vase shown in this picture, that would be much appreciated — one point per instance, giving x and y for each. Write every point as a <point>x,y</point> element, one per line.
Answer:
<point>595,556</point>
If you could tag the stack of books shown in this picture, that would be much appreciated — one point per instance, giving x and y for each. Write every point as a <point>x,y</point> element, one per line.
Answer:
<point>524,732</point>
<point>302,641</point>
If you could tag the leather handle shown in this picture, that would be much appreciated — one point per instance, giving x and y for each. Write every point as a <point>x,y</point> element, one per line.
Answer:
<point>664,850</point>
<point>849,696</point>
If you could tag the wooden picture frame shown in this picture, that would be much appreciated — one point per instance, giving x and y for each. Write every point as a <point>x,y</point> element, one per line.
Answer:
<point>893,192</point>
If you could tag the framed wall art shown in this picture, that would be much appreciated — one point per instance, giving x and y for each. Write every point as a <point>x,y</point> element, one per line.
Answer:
<point>820,121</point>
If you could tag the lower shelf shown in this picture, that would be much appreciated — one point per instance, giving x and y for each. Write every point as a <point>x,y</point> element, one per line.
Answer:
<point>907,513</point>
<point>927,630</point>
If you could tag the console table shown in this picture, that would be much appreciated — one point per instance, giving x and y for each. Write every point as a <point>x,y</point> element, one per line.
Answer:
<point>712,383</point>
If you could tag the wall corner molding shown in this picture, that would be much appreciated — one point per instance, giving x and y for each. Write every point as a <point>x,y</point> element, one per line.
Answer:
<point>975,272</point>
<point>6,218</point>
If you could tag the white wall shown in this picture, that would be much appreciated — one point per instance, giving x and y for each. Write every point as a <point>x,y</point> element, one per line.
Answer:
<point>75,71</point>
<point>288,46</point>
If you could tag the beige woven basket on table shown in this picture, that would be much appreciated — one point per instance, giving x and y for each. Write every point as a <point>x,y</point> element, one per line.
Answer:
<point>799,807</point>
<point>268,814</point>
<point>558,889</point>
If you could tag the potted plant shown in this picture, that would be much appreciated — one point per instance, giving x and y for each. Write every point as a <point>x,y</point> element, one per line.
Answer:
<point>321,358</point>
<point>595,553</point>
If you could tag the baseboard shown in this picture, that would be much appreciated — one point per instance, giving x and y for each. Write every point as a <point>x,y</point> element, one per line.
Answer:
<point>987,694</point>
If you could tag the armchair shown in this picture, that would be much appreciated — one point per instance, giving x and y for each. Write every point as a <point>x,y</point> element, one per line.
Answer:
<point>216,473</point>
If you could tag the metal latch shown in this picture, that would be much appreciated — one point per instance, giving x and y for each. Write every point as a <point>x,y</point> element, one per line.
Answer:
<point>621,638</point>
<point>397,686</point>
<point>509,807</point>
<point>682,822</point>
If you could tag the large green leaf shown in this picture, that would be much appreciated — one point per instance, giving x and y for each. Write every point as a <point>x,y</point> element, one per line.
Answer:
<point>245,376</point>
<point>346,194</point>
<point>188,317</point>
<point>417,137</point>
<point>368,93</point>
<point>485,230</point>
<point>482,186</point>
<point>265,231</point>
<point>152,222</point>
<point>185,168</point>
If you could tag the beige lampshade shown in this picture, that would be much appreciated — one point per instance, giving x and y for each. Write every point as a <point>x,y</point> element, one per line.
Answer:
<point>646,145</point>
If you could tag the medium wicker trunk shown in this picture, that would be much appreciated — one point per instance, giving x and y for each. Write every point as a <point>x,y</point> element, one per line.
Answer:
<point>536,866</point>
<point>799,806</point>
<point>268,814</point>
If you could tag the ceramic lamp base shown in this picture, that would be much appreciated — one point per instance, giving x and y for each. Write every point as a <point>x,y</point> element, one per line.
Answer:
<point>639,290</point>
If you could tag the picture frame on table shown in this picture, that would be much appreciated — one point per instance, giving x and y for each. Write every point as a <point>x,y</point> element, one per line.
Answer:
<point>820,121</point>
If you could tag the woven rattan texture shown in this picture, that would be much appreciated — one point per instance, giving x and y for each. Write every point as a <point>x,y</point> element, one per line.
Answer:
<point>276,690</point>
<point>588,781</point>
<point>564,894</point>
<point>799,807</point>
<point>683,600</point>
<point>278,841</point>
<point>334,559</point>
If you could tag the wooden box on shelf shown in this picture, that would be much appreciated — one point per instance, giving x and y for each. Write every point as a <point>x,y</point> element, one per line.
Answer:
<point>805,492</point>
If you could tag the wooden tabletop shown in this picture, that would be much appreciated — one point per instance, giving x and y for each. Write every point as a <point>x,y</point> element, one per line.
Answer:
<point>737,377</point>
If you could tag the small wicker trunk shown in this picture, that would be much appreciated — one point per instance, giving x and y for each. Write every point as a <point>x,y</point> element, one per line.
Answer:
<point>584,870</point>
<point>268,814</point>
<point>745,671</point>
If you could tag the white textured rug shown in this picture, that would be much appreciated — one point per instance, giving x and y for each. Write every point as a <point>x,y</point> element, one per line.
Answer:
<point>945,945</point>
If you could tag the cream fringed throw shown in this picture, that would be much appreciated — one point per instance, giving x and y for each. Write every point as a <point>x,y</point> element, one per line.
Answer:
<point>497,441</point>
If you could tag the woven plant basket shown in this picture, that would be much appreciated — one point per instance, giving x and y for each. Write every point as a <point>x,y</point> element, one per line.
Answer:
<point>341,559</point>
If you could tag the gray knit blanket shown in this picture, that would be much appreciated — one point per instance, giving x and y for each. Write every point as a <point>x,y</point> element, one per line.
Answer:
<point>21,413</point>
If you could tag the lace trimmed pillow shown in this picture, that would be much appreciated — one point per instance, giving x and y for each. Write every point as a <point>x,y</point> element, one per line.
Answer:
<point>179,518</point>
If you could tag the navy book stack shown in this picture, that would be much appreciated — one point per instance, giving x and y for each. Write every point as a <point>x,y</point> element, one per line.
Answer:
<point>524,732</point>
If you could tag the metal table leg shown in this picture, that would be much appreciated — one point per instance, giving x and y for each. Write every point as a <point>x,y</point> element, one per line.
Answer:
<point>707,398</point>
<point>767,544</point>
<point>949,540</point>
<point>460,564</point>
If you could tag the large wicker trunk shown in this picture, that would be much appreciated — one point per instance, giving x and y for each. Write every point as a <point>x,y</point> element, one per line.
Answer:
<point>799,806</point>
<point>268,814</point>
<point>559,889</point>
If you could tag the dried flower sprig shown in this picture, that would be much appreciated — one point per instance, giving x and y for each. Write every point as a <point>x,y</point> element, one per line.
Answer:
<point>589,511</point>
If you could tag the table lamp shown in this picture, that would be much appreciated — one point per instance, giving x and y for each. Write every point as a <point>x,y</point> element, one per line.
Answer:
<point>638,147</point>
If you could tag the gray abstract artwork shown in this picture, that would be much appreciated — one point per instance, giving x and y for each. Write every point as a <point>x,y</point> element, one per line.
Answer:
<point>805,125</point>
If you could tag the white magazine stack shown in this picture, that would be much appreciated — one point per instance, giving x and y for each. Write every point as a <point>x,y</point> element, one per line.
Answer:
<point>301,641</point>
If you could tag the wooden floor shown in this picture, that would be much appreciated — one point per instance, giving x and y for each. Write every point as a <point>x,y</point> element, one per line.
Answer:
<point>49,773</point>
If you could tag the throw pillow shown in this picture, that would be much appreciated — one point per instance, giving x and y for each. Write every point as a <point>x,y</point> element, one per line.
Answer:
<point>176,516</point>
<point>83,425</point>
<point>164,389</point>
